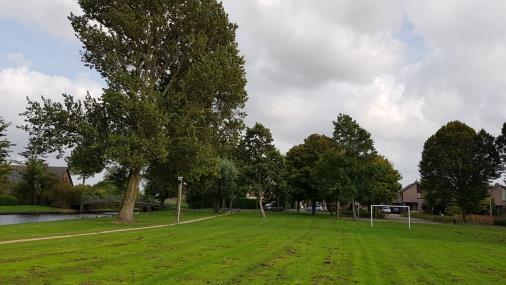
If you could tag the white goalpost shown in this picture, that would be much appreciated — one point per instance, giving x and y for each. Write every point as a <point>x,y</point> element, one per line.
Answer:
<point>392,206</point>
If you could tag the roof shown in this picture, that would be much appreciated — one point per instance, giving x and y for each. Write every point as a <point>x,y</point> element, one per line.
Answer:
<point>16,174</point>
<point>496,187</point>
<point>416,183</point>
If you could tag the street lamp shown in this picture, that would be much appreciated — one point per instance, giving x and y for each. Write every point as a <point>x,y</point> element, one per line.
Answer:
<point>179,194</point>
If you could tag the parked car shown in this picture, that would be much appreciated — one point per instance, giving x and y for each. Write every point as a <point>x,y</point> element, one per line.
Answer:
<point>318,209</point>
<point>386,210</point>
<point>273,207</point>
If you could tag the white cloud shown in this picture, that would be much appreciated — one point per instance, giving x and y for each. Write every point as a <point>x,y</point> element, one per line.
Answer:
<point>50,16</point>
<point>16,84</point>
<point>307,61</point>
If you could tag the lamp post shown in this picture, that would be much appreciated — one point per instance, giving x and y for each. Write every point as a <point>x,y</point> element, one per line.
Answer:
<point>179,194</point>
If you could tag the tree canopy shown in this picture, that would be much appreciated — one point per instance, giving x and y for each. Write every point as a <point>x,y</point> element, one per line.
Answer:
<point>172,69</point>
<point>5,148</point>
<point>457,165</point>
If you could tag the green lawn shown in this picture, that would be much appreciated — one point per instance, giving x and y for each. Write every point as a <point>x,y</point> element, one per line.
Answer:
<point>18,209</point>
<point>244,249</point>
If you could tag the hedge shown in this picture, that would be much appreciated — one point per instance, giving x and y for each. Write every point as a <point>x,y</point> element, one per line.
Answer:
<point>8,200</point>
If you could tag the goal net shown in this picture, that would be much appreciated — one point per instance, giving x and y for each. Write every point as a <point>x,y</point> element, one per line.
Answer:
<point>390,206</point>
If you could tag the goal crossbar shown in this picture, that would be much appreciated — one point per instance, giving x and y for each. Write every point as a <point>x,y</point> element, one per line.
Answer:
<point>392,206</point>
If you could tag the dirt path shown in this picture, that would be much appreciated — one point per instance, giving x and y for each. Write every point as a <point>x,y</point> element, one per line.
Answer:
<point>108,231</point>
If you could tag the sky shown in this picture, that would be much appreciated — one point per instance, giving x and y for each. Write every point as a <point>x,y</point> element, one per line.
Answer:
<point>402,69</point>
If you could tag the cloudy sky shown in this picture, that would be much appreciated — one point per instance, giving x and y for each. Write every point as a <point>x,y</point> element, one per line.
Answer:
<point>400,68</point>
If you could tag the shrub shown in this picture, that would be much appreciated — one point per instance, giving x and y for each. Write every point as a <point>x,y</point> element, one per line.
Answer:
<point>62,195</point>
<point>8,200</point>
<point>500,221</point>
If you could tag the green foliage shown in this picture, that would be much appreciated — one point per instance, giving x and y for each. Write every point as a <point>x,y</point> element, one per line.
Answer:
<point>5,147</point>
<point>173,73</point>
<point>457,165</point>
<point>8,200</point>
<point>263,164</point>
<point>300,161</point>
<point>349,137</point>
<point>35,181</point>
<point>62,195</point>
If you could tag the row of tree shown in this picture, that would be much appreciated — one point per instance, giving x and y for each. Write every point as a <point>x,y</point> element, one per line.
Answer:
<point>344,168</point>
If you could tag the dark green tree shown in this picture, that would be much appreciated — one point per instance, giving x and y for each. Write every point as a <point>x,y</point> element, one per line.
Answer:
<point>457,165</point>
<point>357,144</point>
<point>168,65</point>
<point>300,161</point>
<point>263,164</point>
<point>351,138</point>
<point>5,148</point>
<point>335,175</point>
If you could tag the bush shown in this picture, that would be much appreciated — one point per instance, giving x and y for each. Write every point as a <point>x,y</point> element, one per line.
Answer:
<point>61,195</point>
<point>500,221</point>
<point>8,200</point>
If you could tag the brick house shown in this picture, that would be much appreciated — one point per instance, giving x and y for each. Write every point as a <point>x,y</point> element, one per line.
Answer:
<point>412,196</point>
<point>62,173</point>
<point>498,194</point>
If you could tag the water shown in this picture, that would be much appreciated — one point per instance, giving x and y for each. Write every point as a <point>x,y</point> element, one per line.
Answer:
<point>35,218</point>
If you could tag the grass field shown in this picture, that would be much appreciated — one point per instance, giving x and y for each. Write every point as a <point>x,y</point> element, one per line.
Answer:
<point>244,249</point>
<point>18,209</point>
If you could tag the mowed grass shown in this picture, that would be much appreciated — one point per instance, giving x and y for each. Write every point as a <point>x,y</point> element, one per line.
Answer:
<point>282,249</point>
<point>28,209</point>
<point>33,230</point>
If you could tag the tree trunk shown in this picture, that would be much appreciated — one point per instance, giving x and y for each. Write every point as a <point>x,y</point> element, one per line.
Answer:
<point>353,209</point>
<point>313,207</point>
<point>126,212</point>
<point>162,203</point>
<point>223,203</point>
<point>298,206</point>
<point>464,215</point>
<point>338,209</point>
<point>260,203</point>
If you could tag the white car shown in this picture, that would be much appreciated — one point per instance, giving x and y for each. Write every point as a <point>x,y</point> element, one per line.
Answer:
<point>386,210</point>
<point>318,209</point>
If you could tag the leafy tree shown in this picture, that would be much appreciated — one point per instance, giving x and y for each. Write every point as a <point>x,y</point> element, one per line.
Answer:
<point>335,176</point>
<point>300,161</point>
<point>457,165</point>
<point>168,65</point>
<point>263,164</point>
<point>355,141</point>
<point>357,144</point>
<point>5,147</point>
<point>501,144</point>
<point>384,182</point>
<point>226,182</point>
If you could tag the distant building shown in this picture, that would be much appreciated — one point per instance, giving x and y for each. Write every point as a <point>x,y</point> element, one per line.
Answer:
<point>498,193</point>
<point>62,173</point>
<point>412,196</point>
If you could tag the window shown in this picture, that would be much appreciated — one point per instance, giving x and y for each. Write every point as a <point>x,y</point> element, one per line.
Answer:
<point>419,195</point>
<point>504,194</point>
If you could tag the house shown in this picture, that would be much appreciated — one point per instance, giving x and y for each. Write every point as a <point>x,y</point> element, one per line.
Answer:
<point>62,173</point>
<point>498,194</point>
<point>412,196</point>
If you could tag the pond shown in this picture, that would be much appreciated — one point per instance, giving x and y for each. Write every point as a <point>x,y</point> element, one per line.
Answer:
<point>34,218</point>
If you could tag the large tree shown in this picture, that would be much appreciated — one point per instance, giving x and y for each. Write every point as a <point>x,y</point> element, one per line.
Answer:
<point>5,148</point>
<point>357,145</point>
<point>263,165</point>
<point>300,161</point>
<point>168,65</point>
<point>457,166</point>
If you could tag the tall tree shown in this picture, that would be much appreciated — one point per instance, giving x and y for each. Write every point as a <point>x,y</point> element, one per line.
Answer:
<point>263,164</point>
<point>5,148</point>
<point>457,165</point>
<point>357,144</point>
<point>300,161</point>
<point>168,65</point>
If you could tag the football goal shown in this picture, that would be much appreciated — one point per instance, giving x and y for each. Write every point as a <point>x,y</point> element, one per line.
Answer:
<point>390,206</point>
